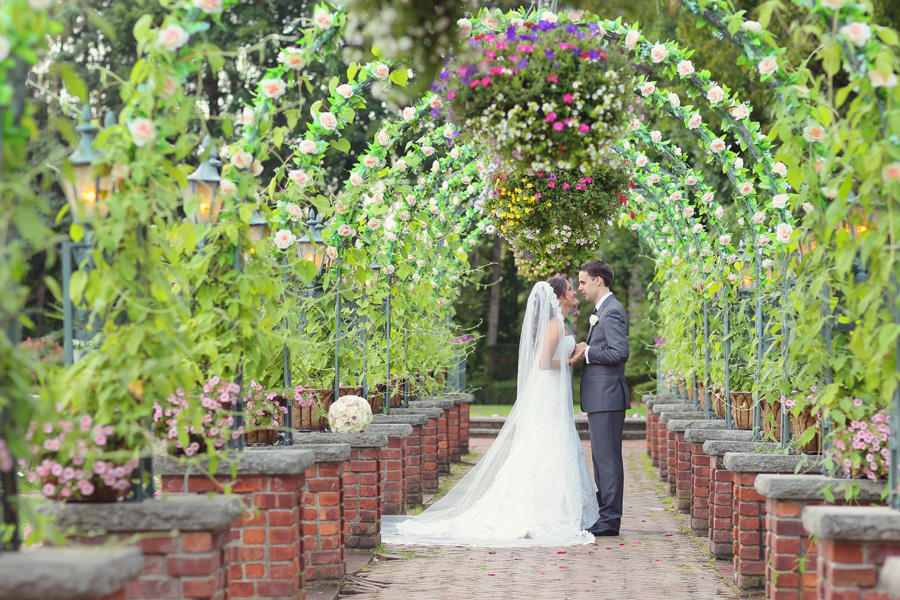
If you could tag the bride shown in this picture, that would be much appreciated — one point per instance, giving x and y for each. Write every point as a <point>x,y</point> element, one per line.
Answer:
<point>533,486</point>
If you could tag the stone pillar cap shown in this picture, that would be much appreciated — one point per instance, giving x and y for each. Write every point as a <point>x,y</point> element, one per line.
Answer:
<point>810,488</point>
<point>363,439</point>
<point>681,415</point>
<point>765,462</point>
<point>392,430</point>
<point>853,523</point>
<point>181,512</point>
<point>652,399</point>
<point>720,447</point>
<point>432,403</point>
<point>685,424</point>
<point>325,452</point>
<point>73,573</point>
<point>273,460</point>
<point>456,397</point>
<point>432,412</point>
<point>699,436</point>
<point>410,418</point>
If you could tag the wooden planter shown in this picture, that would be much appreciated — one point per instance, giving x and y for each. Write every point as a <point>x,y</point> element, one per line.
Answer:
<point>801,423</point>
<point>690,393</point>
<point>742,409</point>
<point>305,416</point>
<point>718,403</point>
<point>701,394</point>
<point>376,398</point>
<point>770,418</point>
<point>261,437</point>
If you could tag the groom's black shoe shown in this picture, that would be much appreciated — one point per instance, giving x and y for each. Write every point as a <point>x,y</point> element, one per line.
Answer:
<point>599,529</point>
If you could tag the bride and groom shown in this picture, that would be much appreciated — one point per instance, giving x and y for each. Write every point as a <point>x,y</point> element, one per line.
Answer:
<point>533,486</point>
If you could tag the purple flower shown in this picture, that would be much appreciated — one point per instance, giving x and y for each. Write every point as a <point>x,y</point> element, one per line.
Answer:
<point>572,29</point>
<point>522,63</point>
<point>510,33</point>
<point>545,26</point>
<point>549,53</point>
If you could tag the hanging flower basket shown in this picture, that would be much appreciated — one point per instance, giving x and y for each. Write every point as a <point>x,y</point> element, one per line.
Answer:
<point>804,420</point>
<point>541,95</point>
<point>742,409</point>
<point>176,416</point>
<point>310,413</point>
<point>718,404</point>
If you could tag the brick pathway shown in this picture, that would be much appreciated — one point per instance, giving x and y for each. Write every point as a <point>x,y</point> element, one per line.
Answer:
<point>652,559</point>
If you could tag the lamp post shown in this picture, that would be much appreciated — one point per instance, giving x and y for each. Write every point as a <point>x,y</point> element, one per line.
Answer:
<point>387,345</point>
<point>202,202</point>
<point>258,227</point>
<point>376,269</point>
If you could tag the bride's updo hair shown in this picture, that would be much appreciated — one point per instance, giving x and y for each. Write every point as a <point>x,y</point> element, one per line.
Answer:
<point>558,283</point>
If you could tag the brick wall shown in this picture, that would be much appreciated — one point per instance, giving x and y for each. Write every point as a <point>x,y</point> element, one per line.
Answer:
<point>453,432</point>
<point>362,498</point>
<point>443,443</point>
<point>464,428</point>
<point>748,532</point>
<point>652,442</point>
<point>672,458</point>
<point>263,550</point>
<point>683,484</point>
<point>176,565</point>
<point>791,556</point>
<point>393,459</point>
<point>322,524</point>
<point>414,466</point>
<point>700,473</point>
<point>720,509</point>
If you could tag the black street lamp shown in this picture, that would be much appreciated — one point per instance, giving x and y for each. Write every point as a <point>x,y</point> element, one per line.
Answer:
<point>202,202</point>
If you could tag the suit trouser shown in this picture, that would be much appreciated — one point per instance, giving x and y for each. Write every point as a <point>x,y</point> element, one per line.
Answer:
<point>606,451</point>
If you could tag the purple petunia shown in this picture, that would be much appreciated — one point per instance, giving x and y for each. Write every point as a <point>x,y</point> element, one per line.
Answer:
<point>549,53</point>
<point>545,26</point>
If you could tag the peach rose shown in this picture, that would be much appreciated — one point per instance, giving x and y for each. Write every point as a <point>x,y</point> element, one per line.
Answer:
<point>210,7</point>
<point>298,176</point>
<point>173,37</point>
<point>882,80</point>
<point>631,39</point>
<point>685,68</point>
<point>355,178</point>
<point>345,90</point>
<point>322,18</point>
<point>814,133</point>
<point>717,145</point>
<point>745,188</point>
<point>284,238</point>
<point>659,53</point>
<point>783,232</point>
<point>344,230</point>
<point>292,58</point>
<point>707,197</point>
<point>648,88</point>
<point>294,211</point>
<point>715,94</point>
<point>780,169</point>
<point>381,71</point>
<point>142,130</point>
<point>758,217</point>
<point>779,200</point>
<point>694,121</point>
<point>241,159</point>
<point>891,172</point>
<point>767,66</point>
<point>272,88</point>
<point>328,121</point>
<point>307,146</point>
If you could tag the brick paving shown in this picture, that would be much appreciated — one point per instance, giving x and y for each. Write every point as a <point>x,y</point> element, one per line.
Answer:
<point>655,557</point>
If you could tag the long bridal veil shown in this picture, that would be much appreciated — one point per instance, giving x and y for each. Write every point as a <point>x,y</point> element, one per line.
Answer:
<point>532,487</point>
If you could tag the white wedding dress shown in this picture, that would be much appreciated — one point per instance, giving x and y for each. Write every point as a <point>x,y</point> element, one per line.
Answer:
<point>532,487</point>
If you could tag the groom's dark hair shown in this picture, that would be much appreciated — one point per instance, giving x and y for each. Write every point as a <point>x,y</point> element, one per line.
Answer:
<point>598,268</point>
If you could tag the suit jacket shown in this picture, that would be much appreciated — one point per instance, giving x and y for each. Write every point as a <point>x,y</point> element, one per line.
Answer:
<point>603,386</point>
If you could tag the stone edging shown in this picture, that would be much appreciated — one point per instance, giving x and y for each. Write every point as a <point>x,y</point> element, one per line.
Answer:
<point>251,461</point>
<point>853,523</point>
<point>699,436</point>
<point>810,487</point>
<point>681,415</point>
<point>364,439</point>
<point>431,412</point>
<point>74,573</point>
<point>720,447</point>
<point>433,403</point>
<point>690,423</point>
<point>392,430</point>
<point>414,419</point>
<point>324,452</point>
<point>187,512</point>
<point>764,462</point>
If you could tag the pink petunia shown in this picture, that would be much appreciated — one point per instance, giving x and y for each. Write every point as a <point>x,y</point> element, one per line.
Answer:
<point>568,98</point>
<point>550,117</point>
<point>584,128</point>
<point>558,126</point>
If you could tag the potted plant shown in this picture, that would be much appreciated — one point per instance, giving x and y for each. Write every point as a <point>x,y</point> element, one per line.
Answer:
<point>189,424</point>
<point>264,414</point>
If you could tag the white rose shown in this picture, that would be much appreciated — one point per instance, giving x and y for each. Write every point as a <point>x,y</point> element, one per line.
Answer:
<point>323,18</point>
<point>328,121</point>
<point>651,216</point>
<point>780,200</point>
<point>284,238</point>
<point>142,130</point>
<point>256,168</point>
<point>370,161</point>
<point>648,88</point>
<point>768,65</point>
<point>549,16</point>
<point>881,80</point>
<point>173,37</point>
<point>409,113</point>
<point>454,154</point>
<point>813,133</point>
<point>653,179</point>
<point>593,320</point>
<point>685,68</point>
<point>634,124</point>
<point>759,217</point>
<point>344,230</point>
<point>345,90</point>
<point>381,71</point>
<point>783,232</point>
<point>688,211</point>
<point>294,211</point>
<point>739,111</point>
<point>298,176</point>
<point>707,197</point>
<point>674,100</point>
<point>675,196</point>
<point>210,7</point>
<point>857,33</point>
<point>656,136</point>
<point>697,228</point>
<point>694,121</point>
<point>780,169</point>
<point>272,88</point>
<point>719,213</point>
<point>307,146</point>
<point>241,159</point>
<point>631,39</point>
<point>638,198</point>
<point>641,161</point>
<point>751,26</point>
<point>292,58</point>
<point>659,53</point>
<point>762,240</point>
<point>227,187</point>
<point>717,145</point>
<point>715,94</point>
<point>427,150</point>
<point>355,178</point>
<point>465,26</point>
<point>738,162</point>
<point>725,239</point>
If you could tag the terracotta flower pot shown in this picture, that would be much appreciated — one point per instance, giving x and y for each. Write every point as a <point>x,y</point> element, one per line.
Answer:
<point>742,409</point>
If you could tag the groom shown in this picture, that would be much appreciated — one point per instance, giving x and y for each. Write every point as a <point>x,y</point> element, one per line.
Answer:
<point>604,395</point>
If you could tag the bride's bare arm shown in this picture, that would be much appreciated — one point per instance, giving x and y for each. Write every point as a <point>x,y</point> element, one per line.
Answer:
<point>550,344</point>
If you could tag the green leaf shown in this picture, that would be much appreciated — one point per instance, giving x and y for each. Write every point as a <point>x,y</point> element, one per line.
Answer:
<point>888,36</point>
<point>76,232</point>
<point>340,144</point>
<point>142,27</point>
<point>352,70</point>
<point>400,77</point>
<point>831,60</point>
<point>77,283</point>
<point>347,114</point>
<point>246,212</point>
<point>75,84</point>
<point>216,61</point>
<point>101,24</point>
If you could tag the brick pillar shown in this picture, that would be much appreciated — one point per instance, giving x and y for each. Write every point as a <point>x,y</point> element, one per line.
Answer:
<point>184,557</point>
<point>682,472</point>
<point>720,509</point>
<point>464,428</point>
<point>700,485</point>
<point>453,432</point>
<point>414,467</point>
<point>263,552</point>
<point>362,499</point>
<point>430,455</point>
<point>394,458</point>
<point>748,533</point>
<point>323,545</point>
<point>652,447</point>
<point>443,443</point>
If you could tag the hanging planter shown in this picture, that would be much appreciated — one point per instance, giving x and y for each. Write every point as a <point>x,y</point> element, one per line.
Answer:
<point>742,409</point>
<point>542,95</point>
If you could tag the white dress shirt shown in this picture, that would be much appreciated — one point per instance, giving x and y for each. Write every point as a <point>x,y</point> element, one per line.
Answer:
<point>596,310</point>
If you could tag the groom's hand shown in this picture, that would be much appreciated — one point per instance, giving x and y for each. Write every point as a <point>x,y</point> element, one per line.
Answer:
<point>578,353</point>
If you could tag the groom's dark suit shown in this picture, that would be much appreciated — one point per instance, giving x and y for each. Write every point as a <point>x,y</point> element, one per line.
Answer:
<point>604,397</point>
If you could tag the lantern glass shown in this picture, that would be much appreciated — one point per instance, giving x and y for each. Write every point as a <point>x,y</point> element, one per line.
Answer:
<point>82,193</point>
<point>310,251</point>
<point>202,202</point>
<point>259,227</point>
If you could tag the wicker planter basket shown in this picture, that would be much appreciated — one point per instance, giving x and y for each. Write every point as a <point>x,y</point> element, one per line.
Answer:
<point>770,418</point>
<point>305,416</point>
<point>801,423</point>
<point>742,409</point>
<point>718,404</point>
<point>261,437</point>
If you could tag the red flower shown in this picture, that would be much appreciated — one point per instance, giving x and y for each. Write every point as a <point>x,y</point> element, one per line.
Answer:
<point>631,212</point>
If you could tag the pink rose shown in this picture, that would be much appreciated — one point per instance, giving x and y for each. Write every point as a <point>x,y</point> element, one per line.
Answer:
<point>715,94</point>
<point>739,111</point>
<point>685,68</point>
<point>717,145</point>
<point>272,87</point>
<point>857,33</point>
<point>631,39</point>
<point>210,7</point>
<point>168,87</point>
<point>344,230</point>
<point>381,71</point>
<point>813,133</point>
<point>891,172</point>
<point>307,146</point>
<point>882,80</point>
<point>292,58</point>
<point>370,161</point>
<point>241,159</point>
<point>745,188</point>
<point>767,66</point>
<point>298,176</point>
<point>294,211</point>
<point>328,121</point>
<point>355,178</point>
<point>49,489</point>
<point>284,238</point>
<point>648,88</point>
<point>173,37</point>
<point>345,90</point>
<point>694,121</point>
<point>783,232</point>
<point>142,130</point>
<point>659,53</point>
<point>322,18</point>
